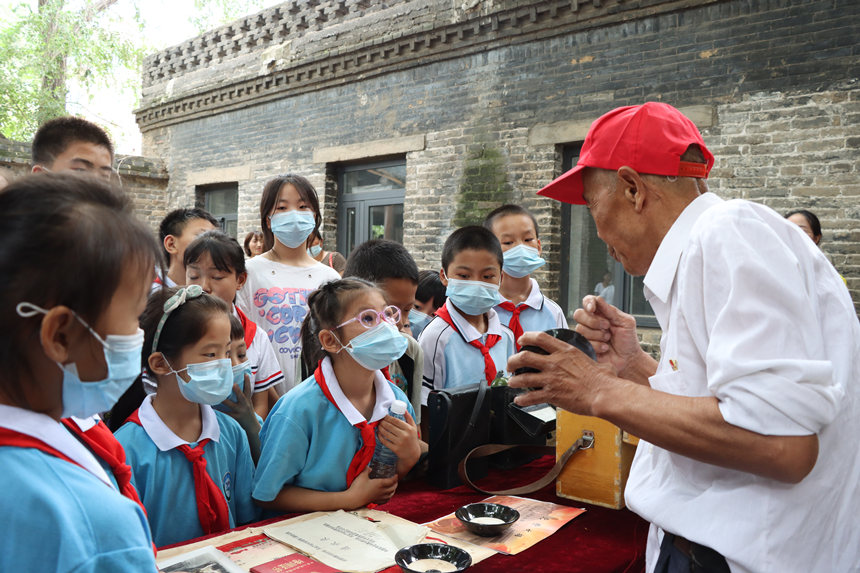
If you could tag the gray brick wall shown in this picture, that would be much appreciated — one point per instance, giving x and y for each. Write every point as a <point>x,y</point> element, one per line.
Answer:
<point>779,77</point>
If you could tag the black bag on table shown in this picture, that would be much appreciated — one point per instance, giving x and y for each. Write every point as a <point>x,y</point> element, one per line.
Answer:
<point>458,421</point>
<point>463,418</point>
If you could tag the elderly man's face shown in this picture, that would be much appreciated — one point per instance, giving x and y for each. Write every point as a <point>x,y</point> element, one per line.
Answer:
<point>618,224</point>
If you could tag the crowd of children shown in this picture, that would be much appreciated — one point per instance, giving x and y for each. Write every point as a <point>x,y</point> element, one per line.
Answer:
<point>232,385</point>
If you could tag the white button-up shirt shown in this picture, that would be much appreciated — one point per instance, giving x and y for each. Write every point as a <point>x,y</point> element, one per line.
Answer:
<point>754,314</point>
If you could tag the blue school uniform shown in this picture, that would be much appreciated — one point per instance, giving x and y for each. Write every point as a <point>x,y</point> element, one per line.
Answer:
<point>308,442</point>
<point>540,313</point>
<point>449,359</point>
<point>59,516</point>
<point>86,424</point>
<point>164,477</point>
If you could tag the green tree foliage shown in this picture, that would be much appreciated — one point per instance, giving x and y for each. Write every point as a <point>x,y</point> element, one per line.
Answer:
<point>43,47</point>
<point>213,13</point>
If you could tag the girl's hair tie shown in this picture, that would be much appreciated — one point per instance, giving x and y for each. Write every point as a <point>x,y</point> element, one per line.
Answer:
<point>184,294</point>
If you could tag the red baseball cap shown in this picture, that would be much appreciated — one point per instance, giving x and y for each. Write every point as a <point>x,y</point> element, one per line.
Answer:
<point>649,138</point>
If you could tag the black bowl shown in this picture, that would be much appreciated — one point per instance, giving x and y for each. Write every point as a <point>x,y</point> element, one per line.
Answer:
<point>453,555</point>
<point>570,336</point>
<point>469,513</point>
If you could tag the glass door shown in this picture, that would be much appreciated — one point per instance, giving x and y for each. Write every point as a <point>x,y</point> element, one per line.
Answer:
<point>371,203</point>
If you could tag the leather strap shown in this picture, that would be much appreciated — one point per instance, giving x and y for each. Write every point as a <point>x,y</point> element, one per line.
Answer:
<point>549,477</point>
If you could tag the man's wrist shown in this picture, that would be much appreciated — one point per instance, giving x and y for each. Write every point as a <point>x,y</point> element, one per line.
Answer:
<point>639,368</point>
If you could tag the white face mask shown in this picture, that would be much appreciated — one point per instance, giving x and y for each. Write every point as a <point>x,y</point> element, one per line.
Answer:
<point>209,382</point>
<point>293,228</point>
<point>473,297</point>
<point>376,347</point>
<point>122,357</point>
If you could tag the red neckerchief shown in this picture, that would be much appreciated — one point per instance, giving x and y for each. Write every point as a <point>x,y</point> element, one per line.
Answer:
<point>514,324</point>
<point>103,444</point>
<point>248,325</point>
<point>489,366</point>
<point>368,431</point>
<point>9,437</point>
<point>212,510</point>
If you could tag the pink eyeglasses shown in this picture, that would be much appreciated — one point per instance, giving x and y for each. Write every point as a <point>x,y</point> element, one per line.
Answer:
<point>368,318</point>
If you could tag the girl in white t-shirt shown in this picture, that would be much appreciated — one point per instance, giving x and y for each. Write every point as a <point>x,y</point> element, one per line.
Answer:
<point>280,280</point>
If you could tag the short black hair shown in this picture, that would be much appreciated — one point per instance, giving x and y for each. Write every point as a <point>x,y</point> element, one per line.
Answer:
<point>225,252</point>
<point>811,219</point>
<point>64,240</point>
<point>379,259</point>
<point>430,287</point>
<point>175,221</point>
<point>56,135</point>
<point>472,237</point>
<point>506,210</point>
<point>184,326</point>
<point>237,331</point>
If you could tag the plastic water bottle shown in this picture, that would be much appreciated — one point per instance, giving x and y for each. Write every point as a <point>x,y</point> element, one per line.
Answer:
<point>384,462</point>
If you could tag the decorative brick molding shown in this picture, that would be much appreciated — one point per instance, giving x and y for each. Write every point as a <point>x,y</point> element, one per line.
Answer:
<point>489,25</point>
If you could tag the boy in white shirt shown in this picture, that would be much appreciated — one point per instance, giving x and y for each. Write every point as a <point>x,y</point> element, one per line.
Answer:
<point>523,307</point>
<point>466,343</point>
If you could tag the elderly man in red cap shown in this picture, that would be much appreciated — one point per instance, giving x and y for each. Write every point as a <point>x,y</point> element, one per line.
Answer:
<point>747,460</point>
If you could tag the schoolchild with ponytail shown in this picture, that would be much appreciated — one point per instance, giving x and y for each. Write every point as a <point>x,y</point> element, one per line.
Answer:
<point>191,464</point>
<point>319,438</point>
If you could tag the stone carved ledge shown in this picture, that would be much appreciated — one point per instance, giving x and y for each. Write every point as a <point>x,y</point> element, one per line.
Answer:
<point>479,33</point>
<point>264,28</point>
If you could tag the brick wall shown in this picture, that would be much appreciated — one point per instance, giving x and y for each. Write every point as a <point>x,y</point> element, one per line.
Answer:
<point>478,82</point>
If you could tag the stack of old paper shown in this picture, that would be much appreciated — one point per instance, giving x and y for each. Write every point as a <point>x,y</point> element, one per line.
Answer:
<point>362,541</point>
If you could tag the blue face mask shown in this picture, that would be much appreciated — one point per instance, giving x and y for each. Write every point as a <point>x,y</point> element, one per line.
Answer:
<point>418,320</point>
<point>122,357</point>
<point>293,228</point>
<point>208,382</point>
<point>473,297</point>
<point>378,346</point>
<point>239,372</point>
<point>521,261</point>
<point>315,251</point>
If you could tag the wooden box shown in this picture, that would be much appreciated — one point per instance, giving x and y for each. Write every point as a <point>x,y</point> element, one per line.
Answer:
<point>596,475</point>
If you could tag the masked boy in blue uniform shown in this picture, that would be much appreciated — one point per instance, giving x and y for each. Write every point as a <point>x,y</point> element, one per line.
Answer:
<point>319,438</point>
<point>191,464</point>
<point>523,308</point>
<point>69,348</point>
<point>465,342</point>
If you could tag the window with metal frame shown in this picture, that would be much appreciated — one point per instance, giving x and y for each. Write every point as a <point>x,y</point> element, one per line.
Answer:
<point>222,201</point>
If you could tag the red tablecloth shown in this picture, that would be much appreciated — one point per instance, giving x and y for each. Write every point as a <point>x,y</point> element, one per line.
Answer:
<point>600,540</point>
